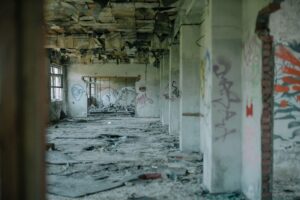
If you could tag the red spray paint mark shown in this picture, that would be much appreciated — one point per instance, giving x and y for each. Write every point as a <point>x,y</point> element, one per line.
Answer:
<point>286,55</point>
<point>280,88</point>
<point>249,110</point>
<point>296,88</point>
<point>298,98</point>
<point>290,80</point>
<point>291,71</point>
<point>284,104</point>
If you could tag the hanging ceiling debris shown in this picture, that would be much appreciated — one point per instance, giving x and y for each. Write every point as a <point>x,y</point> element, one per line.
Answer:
<point>99,31</point>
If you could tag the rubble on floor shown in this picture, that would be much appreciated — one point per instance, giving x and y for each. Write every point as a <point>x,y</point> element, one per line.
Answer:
<point>286,189</point>
<point>121,158</point>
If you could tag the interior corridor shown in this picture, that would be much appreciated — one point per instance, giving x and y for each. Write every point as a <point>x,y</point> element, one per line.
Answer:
<point>150,99</point>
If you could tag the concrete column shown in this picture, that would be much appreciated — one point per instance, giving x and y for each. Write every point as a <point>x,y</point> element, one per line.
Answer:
<point>190,88</point>
<point>222,160</point>
<point>174,92</point>
<point>165,89</point>
<point>161,79</point>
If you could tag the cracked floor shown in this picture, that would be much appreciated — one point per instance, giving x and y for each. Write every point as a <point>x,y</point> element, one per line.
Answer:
<point>121,158</point>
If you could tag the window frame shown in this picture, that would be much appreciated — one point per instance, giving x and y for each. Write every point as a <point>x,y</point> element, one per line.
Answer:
<point>56,88</point>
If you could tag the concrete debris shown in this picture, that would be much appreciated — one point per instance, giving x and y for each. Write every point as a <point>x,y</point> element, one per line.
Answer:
<point>141,198</point>
<point>129,158</point>
<point>50,146</point>
<point>74,187</point>
<point>58,158</point>
<point>150,176</point>
<point>288,189</point>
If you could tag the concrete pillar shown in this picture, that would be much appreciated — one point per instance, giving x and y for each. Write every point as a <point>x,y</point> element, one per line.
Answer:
<point>165,89</point>
<point>222,160</point>
<point>174,92</point>
<point>190,88</point>
<point>161,79</point>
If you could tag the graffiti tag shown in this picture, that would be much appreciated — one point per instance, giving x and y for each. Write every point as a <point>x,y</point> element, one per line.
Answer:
<point>77,91</point>
<point>227,97</point>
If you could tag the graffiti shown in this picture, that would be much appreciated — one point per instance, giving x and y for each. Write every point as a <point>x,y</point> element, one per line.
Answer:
<point>287,87</point>
<point>284,54</point>
<point>227,97</point>
<point>111,99</point>
<point>175,93</point>
<point>77,91</point>
<point>142,89</point>
<point>249,109</point>
<point>205,63</point>
<point>202,78</point>
<point>295,46</point>
<point>143,99</point>
<point>166,93</point>
<point>206,88</point>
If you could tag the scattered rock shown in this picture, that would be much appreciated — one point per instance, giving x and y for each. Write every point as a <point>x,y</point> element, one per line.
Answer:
<point>288,191</point>
<point>50,146</point>
<point>141,198</point>
<point>150,176</point>
<point>81,121</point>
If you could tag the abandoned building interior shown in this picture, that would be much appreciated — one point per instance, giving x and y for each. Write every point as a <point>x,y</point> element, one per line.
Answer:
<point>150,99</point>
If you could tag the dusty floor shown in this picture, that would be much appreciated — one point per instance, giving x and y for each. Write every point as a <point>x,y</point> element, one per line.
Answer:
<point>125,158</point>
<point>286,189</point>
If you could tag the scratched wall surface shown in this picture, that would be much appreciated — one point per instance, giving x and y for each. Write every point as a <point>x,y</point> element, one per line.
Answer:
<point>285,26</point>
<point>146,89</point>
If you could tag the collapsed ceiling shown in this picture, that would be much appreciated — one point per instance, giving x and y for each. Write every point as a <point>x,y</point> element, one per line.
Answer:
<point>99,31</point>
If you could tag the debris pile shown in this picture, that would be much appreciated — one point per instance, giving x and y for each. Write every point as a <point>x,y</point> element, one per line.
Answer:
<point>116,158</point>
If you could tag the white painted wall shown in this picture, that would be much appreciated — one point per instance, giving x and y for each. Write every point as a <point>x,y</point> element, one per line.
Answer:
<point>285,26</point>
<point>147,104</point>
